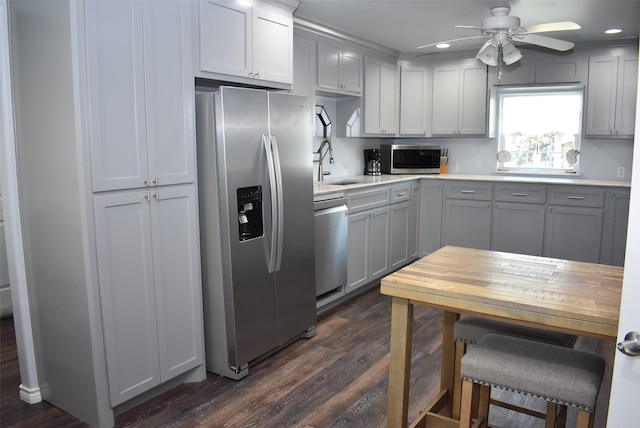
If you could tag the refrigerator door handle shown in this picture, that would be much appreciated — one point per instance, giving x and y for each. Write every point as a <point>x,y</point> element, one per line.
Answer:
<point>280,201</point>
<point>266,142</point>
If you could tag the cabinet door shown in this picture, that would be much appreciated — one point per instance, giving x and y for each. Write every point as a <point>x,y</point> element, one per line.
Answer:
<point>116,92</point>
<point>472,107</point>
<point>445,100</point>
<point>415,112</point>
<point>304,69</point>
<point>176,268</point>
<point>560,70</point>
<point>467,223</point>
<point>522,72</point>
<point>518,228</point>
<point>328,66</point>
<point>430,223</point>
<point>414,219</point>
<point>351,72</point>
<point>127,294</point>
<point>573,233</point>
<point>358,251</point>
<point>626,96</point>
<point>169,92</point>
<point>601,95</point>
<point>614,230</point>
<point>380,98</point>
<point>225,37</point>
<point>379,243</point>
<point>399,221</point>
<point>272,44</point>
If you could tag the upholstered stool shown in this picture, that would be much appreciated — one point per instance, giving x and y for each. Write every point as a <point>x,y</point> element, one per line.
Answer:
<point>469,329</point>
<point>562,376</point>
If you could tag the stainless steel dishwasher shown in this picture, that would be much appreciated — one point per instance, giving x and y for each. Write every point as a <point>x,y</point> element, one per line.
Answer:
<point>330,226</point>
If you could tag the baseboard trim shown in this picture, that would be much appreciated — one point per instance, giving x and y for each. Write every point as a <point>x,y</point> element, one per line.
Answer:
<point>30,395</point>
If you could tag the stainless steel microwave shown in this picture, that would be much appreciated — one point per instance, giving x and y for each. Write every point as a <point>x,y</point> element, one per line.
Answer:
<point>409,159</point>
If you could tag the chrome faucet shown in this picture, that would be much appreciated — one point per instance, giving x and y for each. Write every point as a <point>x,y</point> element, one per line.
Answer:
<point>321,172</point>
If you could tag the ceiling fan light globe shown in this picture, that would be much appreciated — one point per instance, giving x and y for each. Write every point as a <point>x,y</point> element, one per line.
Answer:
<point>488,53</point>
<point>510,54</point>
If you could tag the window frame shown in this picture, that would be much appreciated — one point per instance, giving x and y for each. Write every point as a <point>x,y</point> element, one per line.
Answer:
<point>501,92</point>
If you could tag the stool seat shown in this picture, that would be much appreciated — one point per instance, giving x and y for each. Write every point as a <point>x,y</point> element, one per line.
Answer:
<point>469,329</point>
<point>555,373</point>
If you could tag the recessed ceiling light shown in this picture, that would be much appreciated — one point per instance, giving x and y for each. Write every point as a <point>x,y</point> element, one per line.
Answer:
<point>614,31</point>
<point>443,45</point>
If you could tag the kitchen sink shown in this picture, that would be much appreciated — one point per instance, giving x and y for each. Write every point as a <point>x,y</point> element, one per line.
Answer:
<point>345,182</point>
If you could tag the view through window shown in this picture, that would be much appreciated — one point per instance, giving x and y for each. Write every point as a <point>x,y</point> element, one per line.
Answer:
<point>538,127</point>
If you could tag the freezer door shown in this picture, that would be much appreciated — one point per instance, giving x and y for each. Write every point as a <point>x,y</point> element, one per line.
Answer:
<point>241,124</point>
<point>290,128</point>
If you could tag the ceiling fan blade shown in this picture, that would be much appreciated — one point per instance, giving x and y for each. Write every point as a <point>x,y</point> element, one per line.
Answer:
<point>547,42</point>
<point>471,27</point>
<point>552,26</point>
<point>451,41</point>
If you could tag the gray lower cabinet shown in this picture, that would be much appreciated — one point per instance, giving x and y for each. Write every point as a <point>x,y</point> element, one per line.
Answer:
<point>148,271</point>
<point>614,229</point>
<point>430,222</point>
<point>573,233</point>
<point>518,218</point>
<point>368,237</point>
<point>518,228</point>
<point>414,217</point>
<point>467,214</point>
<point>399,222</point>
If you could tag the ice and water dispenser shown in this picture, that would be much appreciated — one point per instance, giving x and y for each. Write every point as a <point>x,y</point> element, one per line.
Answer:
<point>250,212</point>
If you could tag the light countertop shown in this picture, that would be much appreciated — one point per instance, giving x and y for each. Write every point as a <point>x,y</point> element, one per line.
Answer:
<point>362,181</point>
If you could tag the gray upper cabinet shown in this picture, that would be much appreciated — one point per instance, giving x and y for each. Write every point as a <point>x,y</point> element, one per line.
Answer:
<point>532,69</point>
<point>459,99</point>
<point>380,97</point>
<point>141,119</point>
<point>611,96</point>
<point>251,42</point>
<point>339,70</point>
<point>415,100</point>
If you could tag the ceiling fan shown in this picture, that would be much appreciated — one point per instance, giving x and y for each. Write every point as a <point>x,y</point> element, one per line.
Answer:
<point>502,29</point>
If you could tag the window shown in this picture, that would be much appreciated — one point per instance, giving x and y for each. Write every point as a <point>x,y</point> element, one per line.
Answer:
<point>538,127</point>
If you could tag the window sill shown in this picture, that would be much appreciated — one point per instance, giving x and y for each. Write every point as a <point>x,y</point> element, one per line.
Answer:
<point>530,173</point>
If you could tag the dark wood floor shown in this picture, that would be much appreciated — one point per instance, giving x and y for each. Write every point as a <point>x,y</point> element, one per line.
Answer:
<point>338,378</point>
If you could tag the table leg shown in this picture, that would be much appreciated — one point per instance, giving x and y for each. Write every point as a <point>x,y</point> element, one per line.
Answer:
<point>448,367</point>
<point>399,362</point>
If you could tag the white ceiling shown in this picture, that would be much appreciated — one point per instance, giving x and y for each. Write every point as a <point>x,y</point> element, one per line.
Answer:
<point>403,25</point>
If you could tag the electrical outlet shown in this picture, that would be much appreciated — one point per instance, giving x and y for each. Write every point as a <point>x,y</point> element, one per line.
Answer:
<point>456,166</point>
<point>621,172</point>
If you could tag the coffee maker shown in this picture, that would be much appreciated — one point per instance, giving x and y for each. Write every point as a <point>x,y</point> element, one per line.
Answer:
<point>372,162</point>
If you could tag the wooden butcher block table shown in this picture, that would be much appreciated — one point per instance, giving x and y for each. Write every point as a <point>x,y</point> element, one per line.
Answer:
<point>553,294</point>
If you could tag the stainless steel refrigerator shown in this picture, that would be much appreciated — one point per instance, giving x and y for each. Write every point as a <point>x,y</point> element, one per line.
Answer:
<point>255,184</point>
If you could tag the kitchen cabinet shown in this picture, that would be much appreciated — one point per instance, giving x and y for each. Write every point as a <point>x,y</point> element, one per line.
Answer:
<point>254,42</point>
<point>542,69</point>
<point>611,96</point>
<point>148,259</point>
<point>573,223</point>
<point>304,68</point>
<point>415,100</point>
<point>430,223</point>
<point>399,225</point>
<point>518,218</point>
<point>113,261</point>
<point>414,220</point>
<point>380,97</point>
<point>459,99</point>
<point>467,214</point>
<point>614,229</point>
<point>339,70</point>
<point>141,130</point>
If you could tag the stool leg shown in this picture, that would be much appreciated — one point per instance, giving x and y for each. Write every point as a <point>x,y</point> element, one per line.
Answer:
<point>468,389</point>
<point>457,383</point>
<point>561,419</point>
<point>550,420</point>
<point>585,419</point>
<point>483,404</point>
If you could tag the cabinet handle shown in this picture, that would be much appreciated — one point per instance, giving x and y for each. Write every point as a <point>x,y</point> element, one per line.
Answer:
<point>156,181</point>
<point>146,182</point>
<point>578,198</point>
<point>257,75</point>
<point>518,194</point>
<point>471,192</point>
<point>147,196</point>
<point>402,194</point>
